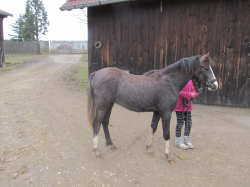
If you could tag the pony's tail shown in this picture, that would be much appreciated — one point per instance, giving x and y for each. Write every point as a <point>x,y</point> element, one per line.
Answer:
<point>91,102</point>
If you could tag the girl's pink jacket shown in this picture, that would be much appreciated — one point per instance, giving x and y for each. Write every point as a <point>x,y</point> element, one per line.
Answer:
<point>185,93</point>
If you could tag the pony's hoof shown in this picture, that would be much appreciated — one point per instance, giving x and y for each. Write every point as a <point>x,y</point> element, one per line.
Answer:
<point>99,156</point>
<point>151,154</point>
<point>170,159</point>
<point>112,147</point>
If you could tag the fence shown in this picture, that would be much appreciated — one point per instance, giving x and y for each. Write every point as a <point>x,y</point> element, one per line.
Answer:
<point>58,46</point>
<point>30,47</point>
<point>44,46</point>
<point>68,46</point>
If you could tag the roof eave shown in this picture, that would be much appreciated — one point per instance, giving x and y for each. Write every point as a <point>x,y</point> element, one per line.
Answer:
<point>5,15</point>
<point>98,3</point>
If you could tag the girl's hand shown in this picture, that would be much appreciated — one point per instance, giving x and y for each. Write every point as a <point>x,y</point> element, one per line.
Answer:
<point>194,94</point>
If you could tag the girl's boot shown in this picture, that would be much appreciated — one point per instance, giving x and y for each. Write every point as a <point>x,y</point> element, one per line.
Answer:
<point>188,142</point>
<point>179,143</point>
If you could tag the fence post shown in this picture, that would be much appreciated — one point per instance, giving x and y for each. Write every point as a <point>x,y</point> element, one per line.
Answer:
<point>39,48</point>
<point>70,47</point>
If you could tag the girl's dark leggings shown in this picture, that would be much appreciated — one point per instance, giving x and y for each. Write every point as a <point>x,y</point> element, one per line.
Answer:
<point>180,122</point>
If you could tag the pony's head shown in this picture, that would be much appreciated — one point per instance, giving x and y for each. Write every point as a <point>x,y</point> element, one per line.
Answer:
<point>204,74</point>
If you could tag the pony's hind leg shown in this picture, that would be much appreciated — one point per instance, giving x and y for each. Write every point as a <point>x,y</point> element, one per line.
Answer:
<point>105,124</point>
<point>154,124</point>
<point>96,127</point>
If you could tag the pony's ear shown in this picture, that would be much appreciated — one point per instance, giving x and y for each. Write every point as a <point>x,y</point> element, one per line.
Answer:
<point>204,57</point>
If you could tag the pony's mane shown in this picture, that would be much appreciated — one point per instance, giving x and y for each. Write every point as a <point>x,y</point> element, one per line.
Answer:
<point>151,72</point>
<point>191,63</point>
<point>168,68</point>
<point>185,64</point>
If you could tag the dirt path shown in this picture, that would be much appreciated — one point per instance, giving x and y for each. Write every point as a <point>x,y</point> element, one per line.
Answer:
<point>45,139</point>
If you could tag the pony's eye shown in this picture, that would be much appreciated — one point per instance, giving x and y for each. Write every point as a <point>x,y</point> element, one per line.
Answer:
<point>203,69</point>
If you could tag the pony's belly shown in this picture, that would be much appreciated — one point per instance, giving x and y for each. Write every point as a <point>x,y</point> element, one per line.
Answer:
<point>138,100</point>
<point>136,108</point>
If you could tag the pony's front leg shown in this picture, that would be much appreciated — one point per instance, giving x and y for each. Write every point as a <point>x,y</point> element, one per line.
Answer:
<point>154,124</point>
<point>166,135</point>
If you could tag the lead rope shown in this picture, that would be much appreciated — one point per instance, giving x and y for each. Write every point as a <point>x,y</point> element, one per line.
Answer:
<point>185,104</point>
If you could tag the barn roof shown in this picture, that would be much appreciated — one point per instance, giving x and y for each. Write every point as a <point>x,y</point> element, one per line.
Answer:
<point>5,14</point>
<point>75,4</point>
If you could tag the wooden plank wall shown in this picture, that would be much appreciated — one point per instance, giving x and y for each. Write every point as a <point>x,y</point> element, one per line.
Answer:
<point>138,37</point>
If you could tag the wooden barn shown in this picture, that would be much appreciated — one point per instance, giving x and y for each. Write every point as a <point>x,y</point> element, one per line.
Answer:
<point>140,35</point>
<point>3,15</point>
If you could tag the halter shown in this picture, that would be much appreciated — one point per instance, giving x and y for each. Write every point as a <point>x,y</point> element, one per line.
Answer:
<point>206,81</point>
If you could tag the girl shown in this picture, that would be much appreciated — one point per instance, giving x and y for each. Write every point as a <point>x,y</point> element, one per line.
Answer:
<point>183,113</point>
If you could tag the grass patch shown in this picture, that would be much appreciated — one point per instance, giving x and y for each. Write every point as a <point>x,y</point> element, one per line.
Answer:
<point>14,60</point>
<point>82,73</point>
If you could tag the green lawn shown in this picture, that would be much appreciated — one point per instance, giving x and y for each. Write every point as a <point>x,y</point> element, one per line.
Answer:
<point>12,61</point>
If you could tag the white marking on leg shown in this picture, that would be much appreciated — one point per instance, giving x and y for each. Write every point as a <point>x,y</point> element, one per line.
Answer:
<point>167,150</point>
<point>95,140</point>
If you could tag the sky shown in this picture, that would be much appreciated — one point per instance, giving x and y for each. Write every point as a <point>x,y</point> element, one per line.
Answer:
<point>63,25</point>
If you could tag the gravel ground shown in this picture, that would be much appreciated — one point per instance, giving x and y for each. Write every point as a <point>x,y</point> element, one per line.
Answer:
<point>46,139</point>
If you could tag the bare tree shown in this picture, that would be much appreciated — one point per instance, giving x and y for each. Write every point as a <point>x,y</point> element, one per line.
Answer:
<point>84,16</point>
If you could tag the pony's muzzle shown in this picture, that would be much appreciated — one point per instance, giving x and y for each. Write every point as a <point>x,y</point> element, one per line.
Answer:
<point>213,86</point>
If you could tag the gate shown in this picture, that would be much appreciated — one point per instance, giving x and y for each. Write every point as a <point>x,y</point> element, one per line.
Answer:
<point>69,46</point>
